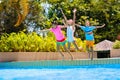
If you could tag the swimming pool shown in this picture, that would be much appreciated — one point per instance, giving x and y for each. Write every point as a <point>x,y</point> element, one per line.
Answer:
<point>72,71</point>
<point>94,72</point>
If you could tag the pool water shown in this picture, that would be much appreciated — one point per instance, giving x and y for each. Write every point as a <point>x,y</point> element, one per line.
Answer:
<point>94,72</point>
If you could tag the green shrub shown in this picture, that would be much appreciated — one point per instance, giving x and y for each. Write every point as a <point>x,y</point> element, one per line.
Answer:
<point>116,45</point>
<point>21,42</point>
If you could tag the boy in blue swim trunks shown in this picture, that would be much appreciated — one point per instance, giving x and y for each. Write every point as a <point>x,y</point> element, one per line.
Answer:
<point>70,25</point>
<point>89,36</point>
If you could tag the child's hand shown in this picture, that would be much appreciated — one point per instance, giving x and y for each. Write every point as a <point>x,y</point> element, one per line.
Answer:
<point>103,25</point>
<point>74,10</point>
<point>77,25</point>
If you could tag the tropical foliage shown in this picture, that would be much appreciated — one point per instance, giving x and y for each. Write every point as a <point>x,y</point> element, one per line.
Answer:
<point>26,42</point>
<point>21,42</point>
<point>17,15</point>
<point>97,11</point>
<point>116,45</point>
<point>21,8</point>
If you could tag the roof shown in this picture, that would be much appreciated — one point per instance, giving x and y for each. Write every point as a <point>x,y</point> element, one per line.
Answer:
<point>103,46</point>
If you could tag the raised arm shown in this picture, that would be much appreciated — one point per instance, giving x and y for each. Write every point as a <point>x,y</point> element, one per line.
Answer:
<point>74,16</point>
<point>100,26</point>
<point>65,25</point>
<point>78,25</point>
<point>64,15</point>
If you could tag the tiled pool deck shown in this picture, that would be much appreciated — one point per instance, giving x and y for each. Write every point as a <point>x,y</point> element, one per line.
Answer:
<point>55,63</point>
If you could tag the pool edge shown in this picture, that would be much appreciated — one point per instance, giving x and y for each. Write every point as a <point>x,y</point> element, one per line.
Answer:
<point>55,63</point>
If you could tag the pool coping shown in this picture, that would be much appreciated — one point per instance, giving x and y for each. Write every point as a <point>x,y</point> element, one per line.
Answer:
<point>57,63</point>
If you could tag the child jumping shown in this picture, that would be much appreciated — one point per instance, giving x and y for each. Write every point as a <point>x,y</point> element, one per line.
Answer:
<point>60,38</point>
<point>89,37</point>
<point>70,24</point>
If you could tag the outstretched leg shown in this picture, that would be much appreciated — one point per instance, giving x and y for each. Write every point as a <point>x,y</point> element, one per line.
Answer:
<point>76,47</point>
<point>92,52</point>
<point>58,50</point>
<point>69,44</point>
<point>68,52</point>
<point>88,51</point>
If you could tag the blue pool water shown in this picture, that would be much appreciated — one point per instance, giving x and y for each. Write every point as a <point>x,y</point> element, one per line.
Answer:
<point>94,72</point>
